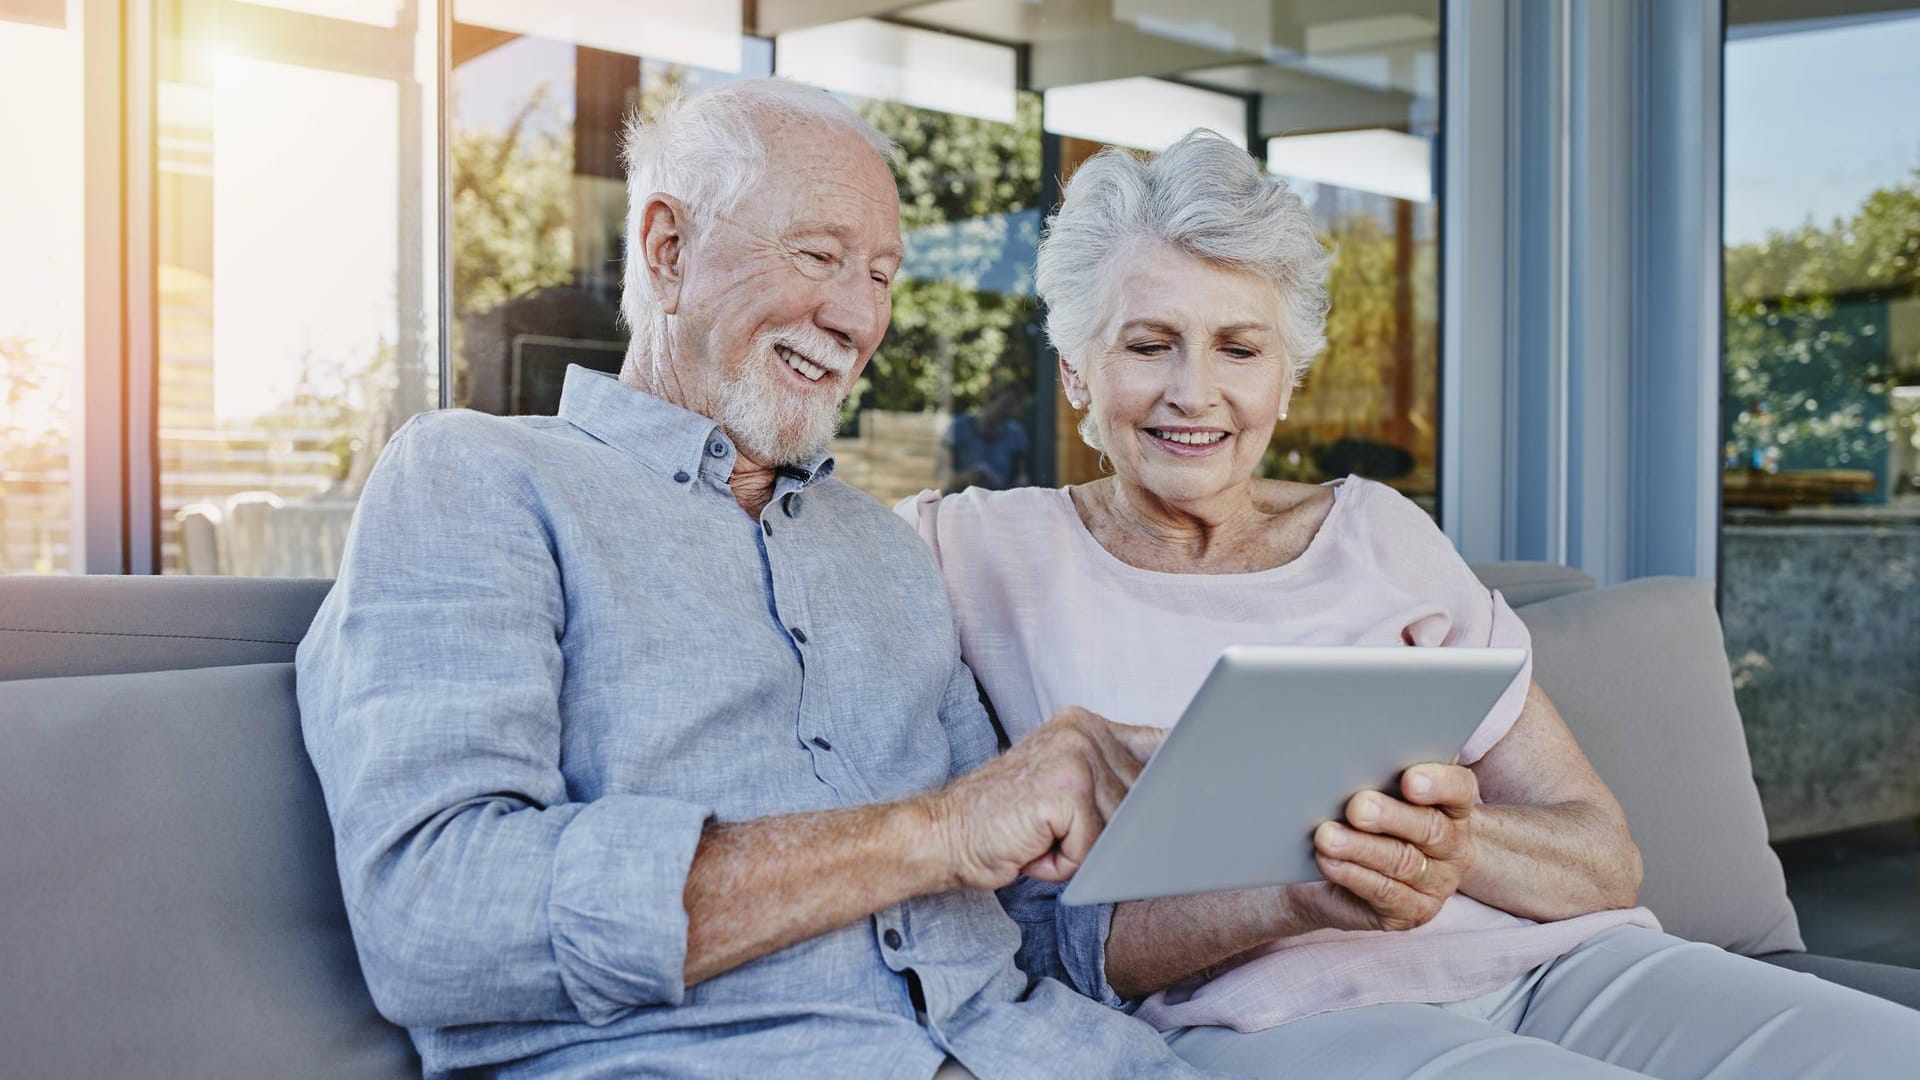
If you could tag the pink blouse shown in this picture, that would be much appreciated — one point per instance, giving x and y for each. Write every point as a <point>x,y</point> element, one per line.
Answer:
<point>1048,618</point>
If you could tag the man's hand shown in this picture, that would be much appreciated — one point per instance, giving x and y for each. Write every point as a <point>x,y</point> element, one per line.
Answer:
<point>1037,809</point>
<point>1395,861</point>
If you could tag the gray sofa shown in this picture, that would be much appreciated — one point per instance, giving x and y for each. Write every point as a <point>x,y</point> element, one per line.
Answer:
<point>168,904</point>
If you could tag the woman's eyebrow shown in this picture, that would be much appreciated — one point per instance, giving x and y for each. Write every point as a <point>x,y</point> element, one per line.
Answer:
<point>1155,325</point>
<point>1242,328</point>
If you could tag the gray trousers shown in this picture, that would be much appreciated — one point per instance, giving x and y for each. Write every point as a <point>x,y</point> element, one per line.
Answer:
<point>1631,1002</point>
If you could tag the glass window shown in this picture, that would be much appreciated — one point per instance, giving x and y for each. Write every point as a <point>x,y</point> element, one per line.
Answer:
<point>1820,546</point>
<point>42,322</point>
<point>297,242</point>
<point>991,103</point>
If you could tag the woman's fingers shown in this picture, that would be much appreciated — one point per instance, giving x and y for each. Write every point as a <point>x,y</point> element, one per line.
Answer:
<point>1453,789</point>
<point>1395,905</point>
<point>1437,833</point>
<point>1394,858</point>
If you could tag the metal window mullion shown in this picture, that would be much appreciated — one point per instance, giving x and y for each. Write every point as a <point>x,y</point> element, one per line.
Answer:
<point>141,330</point>
<point>1474,261</point>
<point>98,432</point>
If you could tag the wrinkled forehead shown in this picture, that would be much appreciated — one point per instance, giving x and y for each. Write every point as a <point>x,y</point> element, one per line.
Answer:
<point>822,175</point>
<point>1163,284</point>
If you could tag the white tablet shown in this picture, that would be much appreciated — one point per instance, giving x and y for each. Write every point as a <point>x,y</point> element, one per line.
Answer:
<point>1275,741</point>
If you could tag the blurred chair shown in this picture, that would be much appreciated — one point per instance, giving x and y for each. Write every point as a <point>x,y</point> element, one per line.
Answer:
<point>199,538</point>
<point>244,550</point>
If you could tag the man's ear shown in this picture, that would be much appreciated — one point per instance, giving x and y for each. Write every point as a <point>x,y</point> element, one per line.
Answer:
<point>665,228</point>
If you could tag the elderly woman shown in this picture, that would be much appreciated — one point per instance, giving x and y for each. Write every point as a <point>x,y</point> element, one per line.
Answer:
<point>1482,923</point>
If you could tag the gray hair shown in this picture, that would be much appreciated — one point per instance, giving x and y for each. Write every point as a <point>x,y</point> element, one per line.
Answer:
<point>708,150</point>
<point>1203,195</point>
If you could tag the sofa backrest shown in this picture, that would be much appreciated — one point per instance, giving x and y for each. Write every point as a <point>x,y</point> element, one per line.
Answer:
<point>1640,673</point>
<point>105,625</point>
<point>167,869</point>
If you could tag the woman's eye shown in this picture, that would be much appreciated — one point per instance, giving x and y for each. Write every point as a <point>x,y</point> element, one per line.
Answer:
<point>1148,348</point>
<point>1238,353</point>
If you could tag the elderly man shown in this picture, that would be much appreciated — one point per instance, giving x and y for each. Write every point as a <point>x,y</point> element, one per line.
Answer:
<point>646,743</point>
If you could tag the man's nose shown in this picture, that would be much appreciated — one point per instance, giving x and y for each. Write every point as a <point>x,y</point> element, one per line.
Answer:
<point>854,311</point>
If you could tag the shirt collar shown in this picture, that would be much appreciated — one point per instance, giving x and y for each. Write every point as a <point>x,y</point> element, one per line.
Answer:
<point>659,434</point>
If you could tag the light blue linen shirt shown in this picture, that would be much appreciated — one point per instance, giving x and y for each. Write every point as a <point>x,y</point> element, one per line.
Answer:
<point>557,648</point>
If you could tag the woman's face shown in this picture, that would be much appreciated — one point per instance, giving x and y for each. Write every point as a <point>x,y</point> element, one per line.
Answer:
<point>1186,378</point>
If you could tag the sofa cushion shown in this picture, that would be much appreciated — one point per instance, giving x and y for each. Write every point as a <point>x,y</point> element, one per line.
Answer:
<point>101,625</point>
<point>167,878</point>
<point>1640,673</point>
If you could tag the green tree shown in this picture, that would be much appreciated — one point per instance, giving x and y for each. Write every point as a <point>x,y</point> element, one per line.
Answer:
<point>969,206</point>
<point>513,231</point>
<point>1809,360</point>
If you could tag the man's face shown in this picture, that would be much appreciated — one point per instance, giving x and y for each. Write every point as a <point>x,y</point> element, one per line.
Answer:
<point>786,298</point>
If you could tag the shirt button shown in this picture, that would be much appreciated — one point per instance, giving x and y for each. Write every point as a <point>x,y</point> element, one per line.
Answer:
<point>767,527</point>
<point>793,505</point>
<point>893,939</point>
<point>681,477</point>
<point>822,743</point>
<point>717,448</point>
<point>799,635</point>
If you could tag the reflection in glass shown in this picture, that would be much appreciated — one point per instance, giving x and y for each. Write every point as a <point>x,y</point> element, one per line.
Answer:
<point>295,189</point>
<point>991,104</point>
<point>42,323</point>
<point>1820,547</point>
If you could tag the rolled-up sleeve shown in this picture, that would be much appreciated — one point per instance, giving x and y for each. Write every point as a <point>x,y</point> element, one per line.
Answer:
<point>478,890</point>
<point>1060,941</point>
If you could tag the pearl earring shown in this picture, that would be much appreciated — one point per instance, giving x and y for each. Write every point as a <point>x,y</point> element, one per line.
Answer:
<point>1283,415</point>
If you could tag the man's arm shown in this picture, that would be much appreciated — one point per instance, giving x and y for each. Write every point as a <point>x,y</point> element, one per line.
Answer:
<point>479,892</point>
<point>765,884</point>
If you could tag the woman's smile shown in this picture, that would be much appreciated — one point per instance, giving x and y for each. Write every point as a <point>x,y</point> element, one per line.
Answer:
<point>1187,442</point>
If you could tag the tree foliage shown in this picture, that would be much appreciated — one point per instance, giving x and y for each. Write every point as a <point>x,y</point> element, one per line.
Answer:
<point>963,306</point>
<point>1809,360</point>
<point>513,230</point>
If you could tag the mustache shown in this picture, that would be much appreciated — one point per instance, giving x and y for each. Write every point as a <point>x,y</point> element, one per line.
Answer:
<point>813,343</point>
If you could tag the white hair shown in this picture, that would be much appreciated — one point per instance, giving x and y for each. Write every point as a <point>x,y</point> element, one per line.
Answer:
<point>1203,195</point>
<point>708,150</point>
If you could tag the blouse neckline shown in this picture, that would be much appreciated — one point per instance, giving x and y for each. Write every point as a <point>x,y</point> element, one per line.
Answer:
<point>1100,553</point>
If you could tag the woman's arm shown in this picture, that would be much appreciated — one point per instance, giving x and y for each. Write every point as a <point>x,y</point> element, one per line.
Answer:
<point>1550,840</point>
<point>1153,944</point>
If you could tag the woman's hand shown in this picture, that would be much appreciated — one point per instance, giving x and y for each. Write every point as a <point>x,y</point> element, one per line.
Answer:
<point>1397,860</point>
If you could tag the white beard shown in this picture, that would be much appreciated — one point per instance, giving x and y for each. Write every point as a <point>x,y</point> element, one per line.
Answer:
<point>770,421</point>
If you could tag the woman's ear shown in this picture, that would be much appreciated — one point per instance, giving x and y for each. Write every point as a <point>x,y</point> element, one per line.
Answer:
<point>1074,385</point>
<point>664,232</point>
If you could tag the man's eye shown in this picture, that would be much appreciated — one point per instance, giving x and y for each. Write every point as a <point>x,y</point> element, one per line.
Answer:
<point>820,257</point>
<point>885,281</point>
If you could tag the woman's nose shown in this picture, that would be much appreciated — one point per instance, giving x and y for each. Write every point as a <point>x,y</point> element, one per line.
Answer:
<point>1191,389</point>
